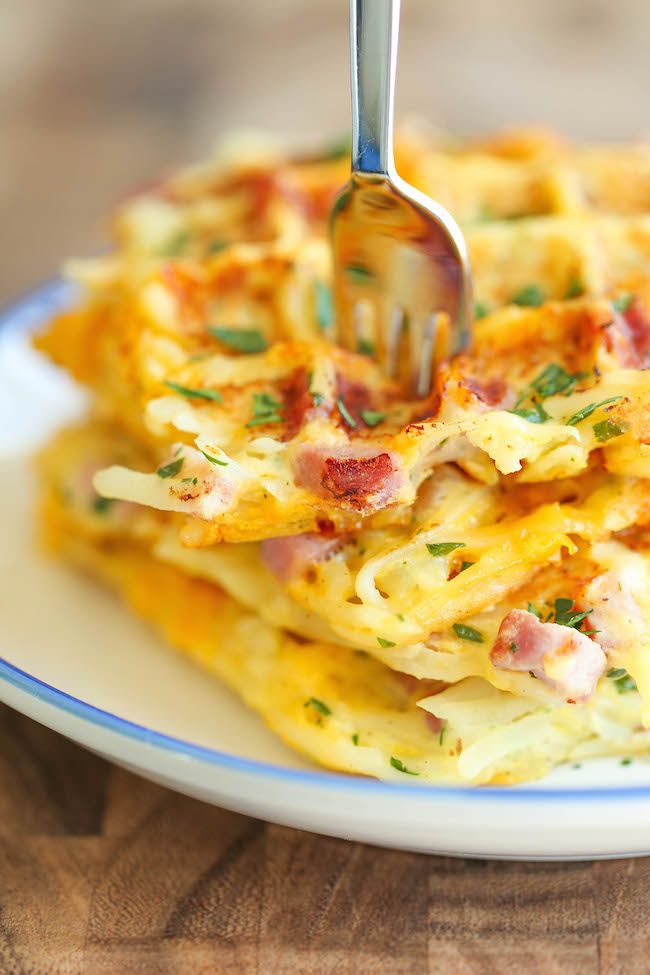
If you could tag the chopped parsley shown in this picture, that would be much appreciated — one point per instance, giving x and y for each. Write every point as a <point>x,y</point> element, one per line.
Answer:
<point>443,548</point>
<point>171,469</point>
<point>176,245</point>
<point>383,642</point>
<point>214,460</point>
<point>371,418</point>
<point>216,246</point>
<point>324,304</point>
<point>400,766</point>
<point>606,430</point>
<point>514,648</point>
<point>193,393</point>
<point>531,296</point>
<point>240,339</point>
<point>574,289</point>
<point>467,633</point>
<point>101,505</point>
<point>347,418</point>
<point>555,379</point>
<point>534,414</point>
<point>266,409</point>
<point>355,739</point>
<point>358,273</point>
<point>481,310</point>
<point>318,706</point>
<point>622,680</point>
<point>552,380</point>
<point>588,410</point>
<point>339,149</point>
<point>464,565</point>
<point>623,302</point>
<point>364,347</point>
<point>626,761</point>
<point>441,736</point>
<point>533,609</point>
<point>189,480</point>
<point>565,614</point>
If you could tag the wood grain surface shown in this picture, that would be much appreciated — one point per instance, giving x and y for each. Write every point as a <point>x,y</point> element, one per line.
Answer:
<point>102,872</point>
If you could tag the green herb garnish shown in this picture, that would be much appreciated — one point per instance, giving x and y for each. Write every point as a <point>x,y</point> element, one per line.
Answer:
<point>383,642</point>
<point>171,469</point>
<point>606,430</point>
<point>464,565</point>
<point>338,149</point>
<point>358,273</point>
<point>565,615</point>
<point>176,245</point>
<point>441,736</point>
<point>364,347</point>
<point>467,633</point>
<point>317,705</point>
<point>555,379</point>
<point>216,246</point>
<point>623,302</point>
<point>191,393</point>
<point>355,739</point>
<point>400,766</point>
<point>534,414</point>
<point>266,409</point>
<point>240,339</point>
<point>101,505</point>
<point>533,609</point>
<point>443,548</point>
<point>588,410</point>
<point>575,288</point>
<point>622,680</point>
<point>531,296</point>
<point>626,761</point>
<point>347,418</point>
<point>324,304</point>
<point>481,310</point>
<point>371,418</point>
<point>214,460</point>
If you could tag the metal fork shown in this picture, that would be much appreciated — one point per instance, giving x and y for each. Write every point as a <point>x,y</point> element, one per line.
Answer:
<point>402,284</point>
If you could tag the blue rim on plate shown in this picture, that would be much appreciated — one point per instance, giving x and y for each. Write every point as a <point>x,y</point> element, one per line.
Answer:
<point>26,313</point>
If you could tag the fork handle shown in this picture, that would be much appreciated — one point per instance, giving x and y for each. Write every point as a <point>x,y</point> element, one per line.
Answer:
<point>374,28</point>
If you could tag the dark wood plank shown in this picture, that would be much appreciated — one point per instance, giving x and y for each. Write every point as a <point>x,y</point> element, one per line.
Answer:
<point>103,872</point>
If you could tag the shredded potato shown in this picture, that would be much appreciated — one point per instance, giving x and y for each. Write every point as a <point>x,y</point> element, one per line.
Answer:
<point>448,589</point>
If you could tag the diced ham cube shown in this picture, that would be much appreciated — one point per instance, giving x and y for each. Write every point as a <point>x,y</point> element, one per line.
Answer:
<point>628,337</point>
<point>288,557</point>
<point>561,656</point>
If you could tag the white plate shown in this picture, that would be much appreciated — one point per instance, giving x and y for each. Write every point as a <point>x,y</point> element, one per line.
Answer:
<point>74,660</point>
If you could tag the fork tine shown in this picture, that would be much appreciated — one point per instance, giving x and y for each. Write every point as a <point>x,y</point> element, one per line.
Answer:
<point>394,341</point>
<point>423,342</point>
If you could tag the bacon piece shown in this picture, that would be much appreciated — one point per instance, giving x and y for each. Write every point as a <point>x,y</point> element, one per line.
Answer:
<point>628,337</point>
<point>297,401</point>
<point>355,474</point>
<point>288,557</point>
<point>491,392</point>
<point>561,656</point>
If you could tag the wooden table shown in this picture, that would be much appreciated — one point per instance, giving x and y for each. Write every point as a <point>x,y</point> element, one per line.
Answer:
<point>101,872</point>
